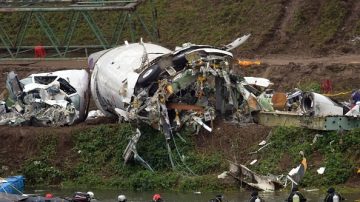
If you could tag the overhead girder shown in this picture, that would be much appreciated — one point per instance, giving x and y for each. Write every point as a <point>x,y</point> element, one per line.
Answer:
<point>78,9</point>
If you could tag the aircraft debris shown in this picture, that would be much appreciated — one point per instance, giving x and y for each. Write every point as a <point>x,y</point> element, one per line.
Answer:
<point>354,111</point>
<point>93,114</point>
<point>307,109</point>
<point>321,170</point>
<point>223,175</point>
<point>131,152</point>
<point>262,143</point>
<point>254,180</point>
<point>261,148</point>
<point>170,90</point>
<point>45,99</point>
<point>296,174</point>
<point>253,162</point>
<point>191,86</point>
<point>267,182</point>
<point>315,138</point>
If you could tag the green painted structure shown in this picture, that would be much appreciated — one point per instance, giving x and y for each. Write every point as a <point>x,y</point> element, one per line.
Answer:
<point>35,9</point>
<point>326,123</point>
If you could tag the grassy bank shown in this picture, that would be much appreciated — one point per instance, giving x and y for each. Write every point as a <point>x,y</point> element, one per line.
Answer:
<point>95,160</point>
<point>338,152</point>
<point>311,25</point>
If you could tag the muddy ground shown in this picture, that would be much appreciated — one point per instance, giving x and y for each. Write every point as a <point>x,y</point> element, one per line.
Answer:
<point>18,144</point>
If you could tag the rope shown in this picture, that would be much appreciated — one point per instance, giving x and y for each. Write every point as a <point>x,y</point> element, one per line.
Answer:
<point>338,94</point>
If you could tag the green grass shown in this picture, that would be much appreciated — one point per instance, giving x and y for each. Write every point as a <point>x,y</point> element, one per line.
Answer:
<point>97,162</point>
<point>340,157</point>
<point>314,23</point>
<point>201,21</point>
<point>312,86</point>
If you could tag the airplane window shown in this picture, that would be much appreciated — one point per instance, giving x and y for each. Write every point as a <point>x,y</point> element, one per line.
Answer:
<point>66,87</point>
<point>44,79</point>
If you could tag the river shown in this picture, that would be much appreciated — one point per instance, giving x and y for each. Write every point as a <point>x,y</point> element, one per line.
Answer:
<point>241,196</point>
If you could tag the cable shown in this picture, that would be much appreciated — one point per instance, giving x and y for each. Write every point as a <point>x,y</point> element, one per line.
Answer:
<point>177,150</point>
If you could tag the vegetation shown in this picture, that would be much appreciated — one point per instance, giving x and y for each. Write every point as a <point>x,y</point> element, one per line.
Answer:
<point>337,152</point>
<point>204,22</point>
<point>40,169</point>
<point>312,86</point>
<point>95,156</point>
<point>332,15</point>
<point>96,160</point>
<point>99,162</point>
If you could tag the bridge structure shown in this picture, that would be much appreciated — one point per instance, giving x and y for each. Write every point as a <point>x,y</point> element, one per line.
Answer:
<point>128,21</point>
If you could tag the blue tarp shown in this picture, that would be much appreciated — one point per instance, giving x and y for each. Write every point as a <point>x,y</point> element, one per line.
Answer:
<point>13,185</point>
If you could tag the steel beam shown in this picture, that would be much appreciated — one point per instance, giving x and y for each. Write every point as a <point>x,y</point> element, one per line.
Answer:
<point>71,28</point>
<point>131,26</point>
<point>145,27</point>
<point>6,41</point>
<point>48,31</point>
<point>25,20</point>
<point>129,7</point>
<point>327,123</point>
<point>127,19</point>
<point>95,29</point>
<point>120,25</point>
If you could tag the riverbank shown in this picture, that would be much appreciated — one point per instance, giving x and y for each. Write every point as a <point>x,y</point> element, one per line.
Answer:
<point>88,155</point>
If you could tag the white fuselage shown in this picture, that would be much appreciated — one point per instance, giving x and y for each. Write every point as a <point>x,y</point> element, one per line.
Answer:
<point>114,75</point>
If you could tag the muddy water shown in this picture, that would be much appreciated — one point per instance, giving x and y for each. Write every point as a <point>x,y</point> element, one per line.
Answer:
<point>241,196</point>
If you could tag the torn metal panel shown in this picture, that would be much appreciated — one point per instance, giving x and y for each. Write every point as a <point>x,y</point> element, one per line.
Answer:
<point>257,81</point>
<point>354,111</point>
<point>13,86</point>
<point>237,42</point>
<point>254,180</point>
<point>130,151</point>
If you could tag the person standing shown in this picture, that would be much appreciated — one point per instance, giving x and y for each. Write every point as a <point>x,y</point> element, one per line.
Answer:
<point>255,197</point>
<point>296,196</point>
<point>333,196</point>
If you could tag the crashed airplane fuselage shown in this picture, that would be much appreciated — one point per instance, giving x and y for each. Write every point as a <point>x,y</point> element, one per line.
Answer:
<point>166,89</point>
<point>169,89</point>
<point>46,99</point>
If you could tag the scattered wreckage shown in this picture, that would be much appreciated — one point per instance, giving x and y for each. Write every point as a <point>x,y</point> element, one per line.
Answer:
<point>267,182</point>
<point>170,89</point>
<point>167,90</point>
<point>309,110</point>
<point>45,99</point>
<point>190,87</point>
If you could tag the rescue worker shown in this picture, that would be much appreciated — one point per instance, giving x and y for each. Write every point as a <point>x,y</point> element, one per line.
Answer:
<point>255,197</point>
<point>48,197</point>
<point>332,196</point>
<point>218,198</point>
<point>122,198</point>
<point>296,196</point>
<point>157,198</point>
